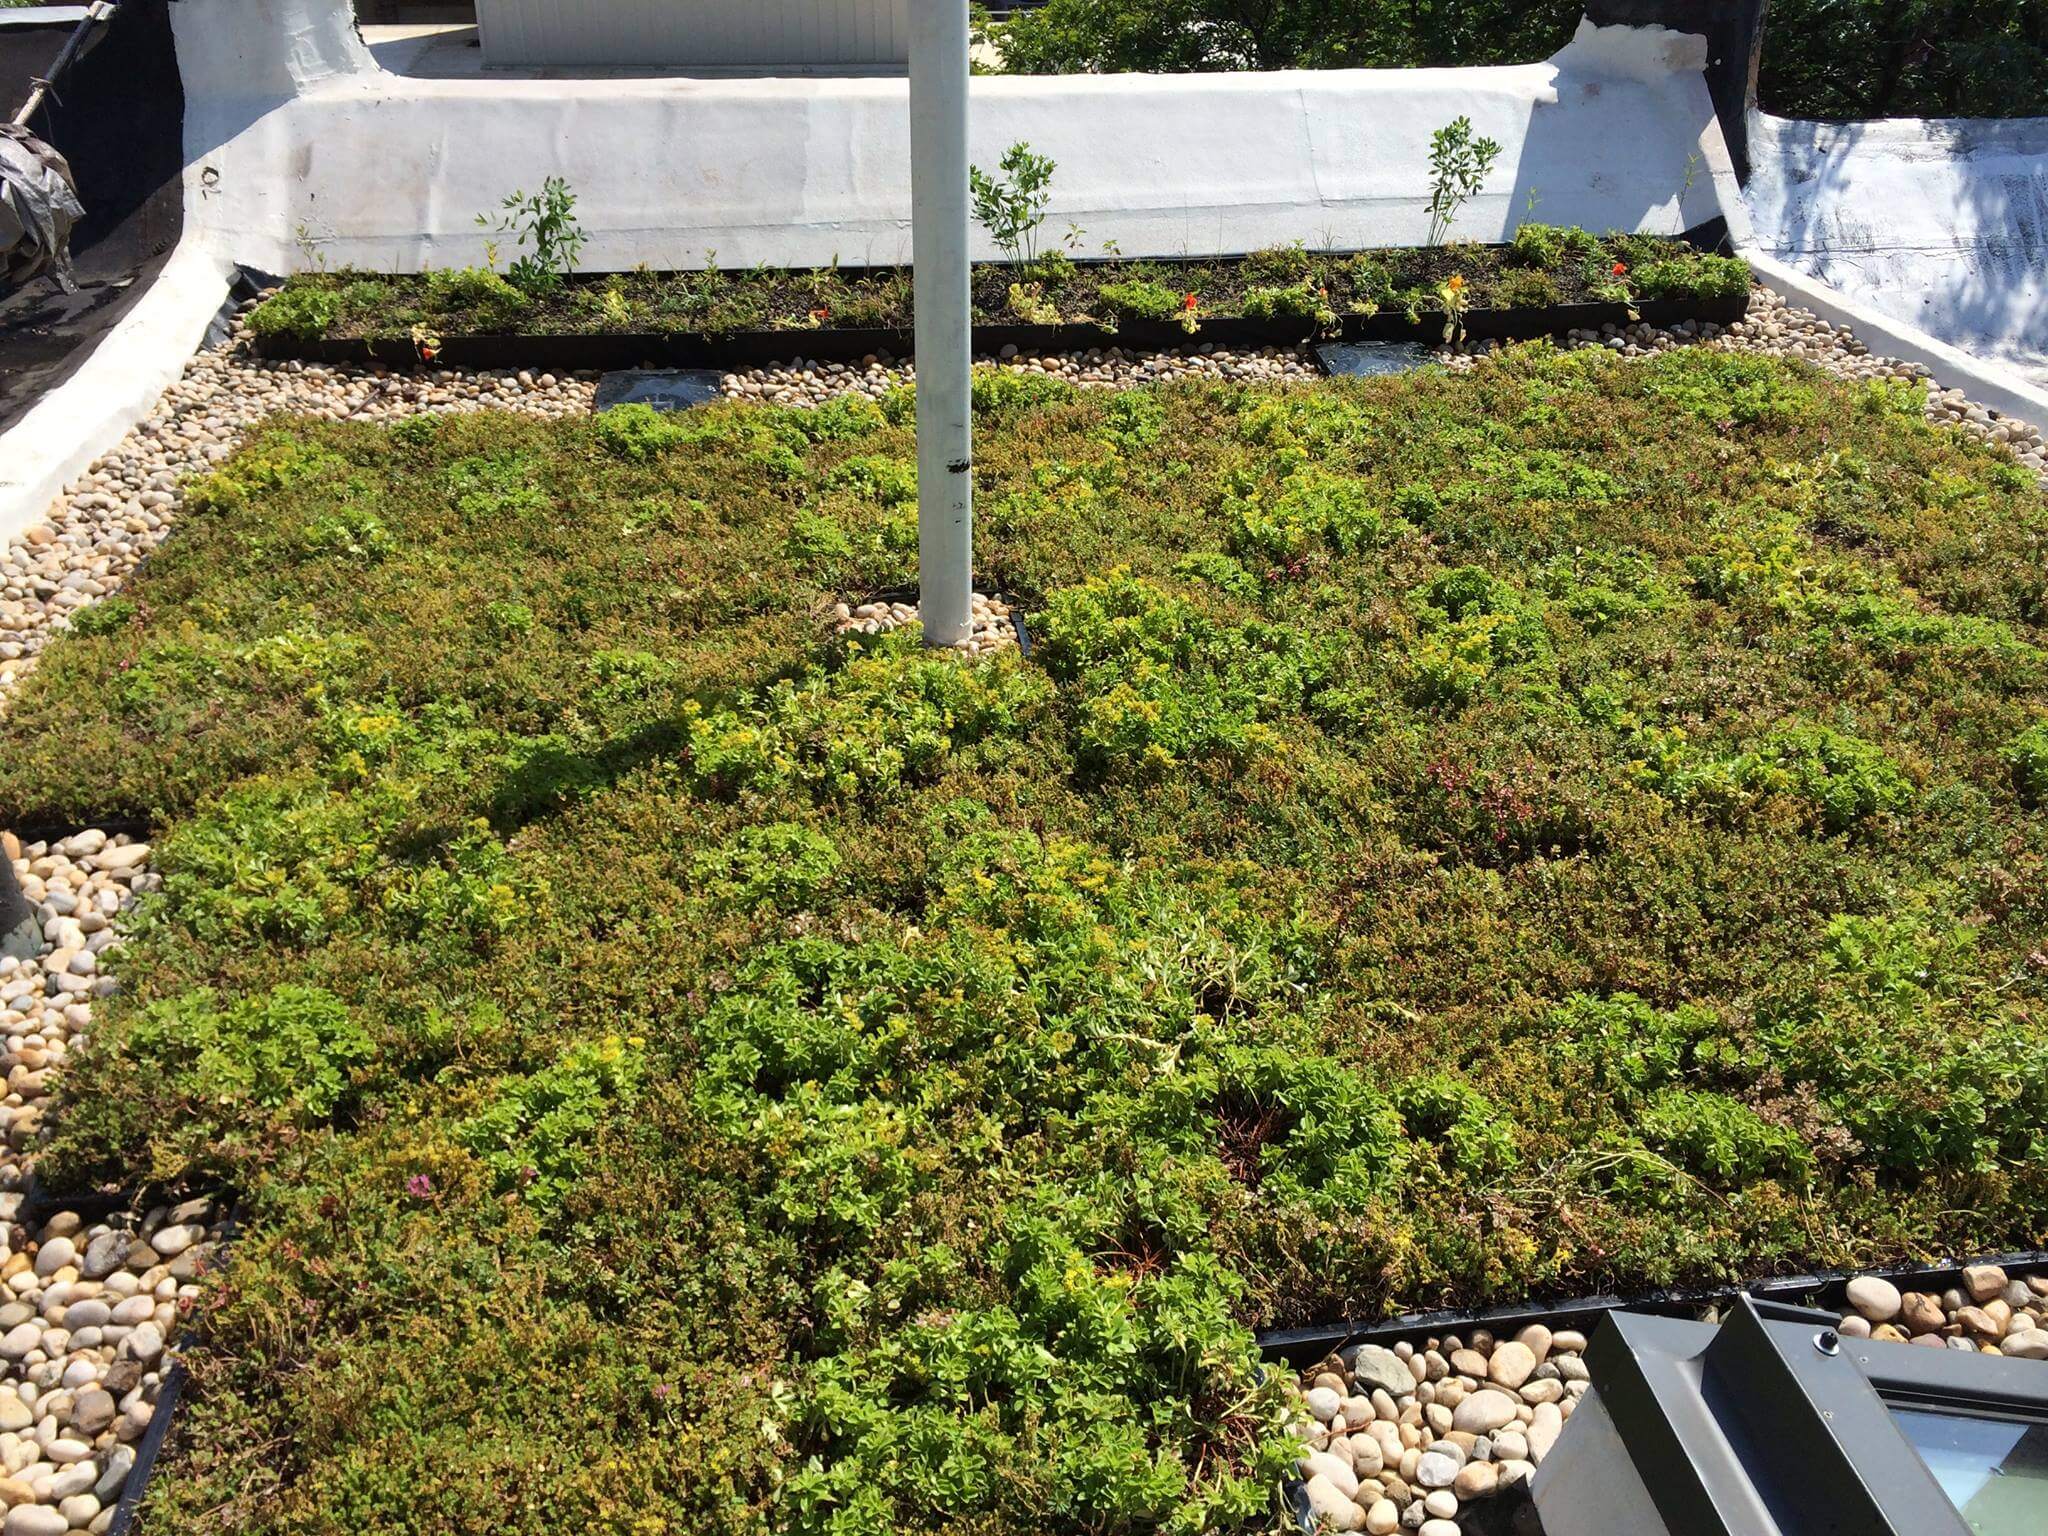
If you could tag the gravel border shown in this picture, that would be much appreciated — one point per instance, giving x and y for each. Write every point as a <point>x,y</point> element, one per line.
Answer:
<point>90,1306</point>
<point>92,1309</point>
<point>990,626</point>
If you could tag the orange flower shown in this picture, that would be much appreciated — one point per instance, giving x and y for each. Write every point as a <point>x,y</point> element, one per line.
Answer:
<point>1188,302</point>
<point>1456,283</point>
<point>821,314</point>
<point>1620,267</point>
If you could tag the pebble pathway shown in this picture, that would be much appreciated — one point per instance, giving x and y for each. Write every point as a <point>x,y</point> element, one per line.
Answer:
<point>90,1309</point>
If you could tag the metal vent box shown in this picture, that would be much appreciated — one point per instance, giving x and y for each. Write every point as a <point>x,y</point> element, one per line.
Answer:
<point>719,33</point>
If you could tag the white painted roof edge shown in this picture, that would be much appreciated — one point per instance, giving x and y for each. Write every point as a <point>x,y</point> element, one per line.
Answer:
<point>1988,384</point>
<point>40,15</point>
<point>113,389</point>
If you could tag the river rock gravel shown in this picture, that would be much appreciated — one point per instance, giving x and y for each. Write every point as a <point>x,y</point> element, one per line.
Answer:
<point>1991,1313</point>
<point>1395,1438</point>
<point>990,625</point>
<point>91,1307</point>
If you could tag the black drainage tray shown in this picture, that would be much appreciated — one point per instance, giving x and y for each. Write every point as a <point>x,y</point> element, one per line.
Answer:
<point>1825,1290</point>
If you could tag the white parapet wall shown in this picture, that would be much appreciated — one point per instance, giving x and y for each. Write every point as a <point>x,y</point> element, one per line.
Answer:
<point>1942,225</point>
<point>304,150</point>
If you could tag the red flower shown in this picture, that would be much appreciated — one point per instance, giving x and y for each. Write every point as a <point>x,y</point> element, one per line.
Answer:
<point>1188,302</point>
<point>1620,267</point>
<point>821,313</point>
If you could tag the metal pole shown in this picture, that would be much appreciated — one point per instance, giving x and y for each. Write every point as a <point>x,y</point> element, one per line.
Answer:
<point>938,252</point>
<point>95,13</point>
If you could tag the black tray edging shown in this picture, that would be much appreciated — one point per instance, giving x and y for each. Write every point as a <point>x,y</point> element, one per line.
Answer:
<point>169,1394</point>
<point>752,348</point>
<point>1312,1342</point>
<point>39,1204</point>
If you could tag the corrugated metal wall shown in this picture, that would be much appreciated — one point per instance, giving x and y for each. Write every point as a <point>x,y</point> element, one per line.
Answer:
<point>717,32</point>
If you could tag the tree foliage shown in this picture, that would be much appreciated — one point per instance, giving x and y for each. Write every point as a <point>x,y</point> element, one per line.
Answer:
<point>1822,58</point>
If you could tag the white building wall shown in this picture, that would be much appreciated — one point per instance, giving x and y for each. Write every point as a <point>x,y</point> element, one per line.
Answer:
<point>301,146</point>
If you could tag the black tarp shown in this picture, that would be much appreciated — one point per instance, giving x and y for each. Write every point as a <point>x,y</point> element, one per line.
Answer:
<point>118,117</point>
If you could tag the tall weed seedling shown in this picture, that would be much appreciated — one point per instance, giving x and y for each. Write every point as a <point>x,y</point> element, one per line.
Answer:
<point>1458,164</point>
<point>1011,206</point>
<point>545,222</point>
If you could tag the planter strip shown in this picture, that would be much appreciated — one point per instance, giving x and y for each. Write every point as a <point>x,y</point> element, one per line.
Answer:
<point>650,351</point>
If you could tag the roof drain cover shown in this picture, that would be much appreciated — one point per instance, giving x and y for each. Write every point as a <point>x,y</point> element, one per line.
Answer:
<point>1368,359</point>
<point>666,389</point>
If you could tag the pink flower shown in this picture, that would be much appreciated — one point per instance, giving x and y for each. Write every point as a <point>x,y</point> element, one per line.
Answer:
<point>420,1186</point>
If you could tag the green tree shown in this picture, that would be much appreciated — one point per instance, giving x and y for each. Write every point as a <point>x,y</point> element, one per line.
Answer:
<point>1067,36</point>
<point>1821,58</point>
<point>1851,59</point>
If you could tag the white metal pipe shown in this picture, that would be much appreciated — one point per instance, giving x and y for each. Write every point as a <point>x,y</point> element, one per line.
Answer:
<point>938,253</point>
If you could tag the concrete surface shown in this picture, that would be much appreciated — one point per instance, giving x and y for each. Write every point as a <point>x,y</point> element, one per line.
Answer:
<point>869,32</point>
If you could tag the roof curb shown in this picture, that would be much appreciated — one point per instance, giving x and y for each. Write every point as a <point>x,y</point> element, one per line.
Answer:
<point>113,389</point>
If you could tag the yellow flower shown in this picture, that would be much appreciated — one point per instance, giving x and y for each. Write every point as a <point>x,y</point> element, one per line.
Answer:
<point>1456,282</point>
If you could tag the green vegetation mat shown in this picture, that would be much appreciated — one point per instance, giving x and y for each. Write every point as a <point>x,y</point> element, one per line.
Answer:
<point>1461,837</point>
<point>1546,265</point>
